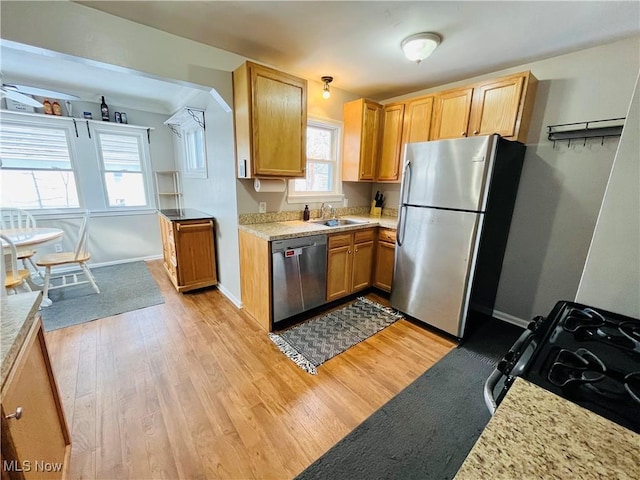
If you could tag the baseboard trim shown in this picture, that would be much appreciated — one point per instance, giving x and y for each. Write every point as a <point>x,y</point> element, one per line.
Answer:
<point>113,262</point>
<point>229,296</point>
<point>512,319</point>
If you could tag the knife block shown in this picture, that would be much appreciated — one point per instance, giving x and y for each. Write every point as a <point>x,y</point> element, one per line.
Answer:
<point>375,211</point>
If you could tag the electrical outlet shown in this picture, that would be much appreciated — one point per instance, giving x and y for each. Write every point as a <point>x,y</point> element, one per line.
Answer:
<point>58,247</point>
<point>263,207</point>
<point>345,202</point>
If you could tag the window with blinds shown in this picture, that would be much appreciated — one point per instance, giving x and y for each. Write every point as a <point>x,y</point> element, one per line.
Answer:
<point>122,169</point>
<point>37,170</point>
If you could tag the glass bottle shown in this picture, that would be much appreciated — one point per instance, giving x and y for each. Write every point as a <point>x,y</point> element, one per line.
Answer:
<point>306,214</point>
<point>104,110</point>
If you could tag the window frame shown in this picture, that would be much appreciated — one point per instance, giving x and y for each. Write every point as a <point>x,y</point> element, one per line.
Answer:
<point>145,164</point>
<point>86,162</point>
<point>336,194</point>
<point>56,123</point>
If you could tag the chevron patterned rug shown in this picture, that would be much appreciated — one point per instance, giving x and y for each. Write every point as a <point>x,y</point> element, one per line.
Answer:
<point>315,341</point>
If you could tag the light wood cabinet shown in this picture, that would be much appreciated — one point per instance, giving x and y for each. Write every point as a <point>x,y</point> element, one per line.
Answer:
<point>403,123</point>
<point>349,262</point>
<point>270,114</point>
<point>391,143</point>
<point>188,249</point>
<point>37,440</point>
<point>360,144</point>
<point>451,112</point>
<point>255,278</point>
<point>385,258</point>
<point>502,105</point>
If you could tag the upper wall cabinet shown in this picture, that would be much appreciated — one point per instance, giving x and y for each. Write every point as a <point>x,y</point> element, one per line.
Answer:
<point>403,123</point>
<point>360,140</point>
<point>391,144</point>
<point>270,122</point>
<point>501,105</point>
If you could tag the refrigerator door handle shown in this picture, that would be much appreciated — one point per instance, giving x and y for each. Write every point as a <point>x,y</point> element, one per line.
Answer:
<point>402,225</point>
<point>406,183</point>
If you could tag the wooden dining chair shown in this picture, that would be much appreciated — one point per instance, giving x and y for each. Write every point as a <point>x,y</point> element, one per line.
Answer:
<point>79,256</point>
<point>18,218</point>
<point>14,277</point>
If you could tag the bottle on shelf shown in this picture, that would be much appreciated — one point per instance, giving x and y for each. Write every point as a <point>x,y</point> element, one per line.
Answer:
<point>104,110</point>
<point>306,214</point>
<point>57,110</point>
<point>48,109</point>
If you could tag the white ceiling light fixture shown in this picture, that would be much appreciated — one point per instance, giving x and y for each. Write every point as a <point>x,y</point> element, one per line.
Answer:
<point>419,46</point>
<point>326,93</point>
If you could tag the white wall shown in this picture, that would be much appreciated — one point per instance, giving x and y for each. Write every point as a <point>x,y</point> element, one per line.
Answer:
<point>561,188</point>
<point>611,276</point>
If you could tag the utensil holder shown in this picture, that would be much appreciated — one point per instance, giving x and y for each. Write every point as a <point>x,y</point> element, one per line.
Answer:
<point>375,211</point>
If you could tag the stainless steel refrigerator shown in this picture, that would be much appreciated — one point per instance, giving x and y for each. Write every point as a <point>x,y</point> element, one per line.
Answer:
<point>456,202</point>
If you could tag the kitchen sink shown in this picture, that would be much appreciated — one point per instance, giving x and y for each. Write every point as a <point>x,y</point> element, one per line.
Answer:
<point>339,222</point>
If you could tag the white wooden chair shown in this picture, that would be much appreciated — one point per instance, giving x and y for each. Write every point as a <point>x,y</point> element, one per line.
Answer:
<point>80,256</point>
<point>14,277</point>
<point>17,218</point>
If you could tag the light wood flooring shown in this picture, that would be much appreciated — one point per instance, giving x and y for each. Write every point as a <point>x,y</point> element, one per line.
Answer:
<point>193,388</point>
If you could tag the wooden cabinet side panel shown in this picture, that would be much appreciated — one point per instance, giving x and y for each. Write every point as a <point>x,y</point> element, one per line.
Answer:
<point>496,107</point>
<point>391,143</point>
<point>525,111</point>
<point>42,433</point>
<point>362,265</point>
<point>352,118</point>
<point>195,252</point>
<point>451,113</point>
<point>255,278</point>
<point>279,123</point>
<point>242,118</point>
<point>370,141</point>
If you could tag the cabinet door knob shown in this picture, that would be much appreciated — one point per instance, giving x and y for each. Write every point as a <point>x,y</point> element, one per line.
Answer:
<point>349,252</point>
<point>17,414</point>
<point>475,132</point>
<point>464,134</point>
<point>356,250</point>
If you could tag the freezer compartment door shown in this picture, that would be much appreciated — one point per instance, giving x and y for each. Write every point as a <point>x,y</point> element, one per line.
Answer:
<point>433,266</point>
<point>448,173</point>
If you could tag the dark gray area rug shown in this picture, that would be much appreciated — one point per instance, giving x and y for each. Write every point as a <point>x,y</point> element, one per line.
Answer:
<point>123,288</point>
<point>427,430</point>
<point>315,341</point>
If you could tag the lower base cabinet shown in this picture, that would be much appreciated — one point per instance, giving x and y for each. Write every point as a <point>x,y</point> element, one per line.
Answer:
<point>188,251</point>
<point>385,258</point>
<point>349,262</point>
<point>35,437</point>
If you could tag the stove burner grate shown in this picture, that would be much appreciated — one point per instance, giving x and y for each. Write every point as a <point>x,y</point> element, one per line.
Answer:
<point>588,323</point>
<point>577,367</point>
<point>632,385</point>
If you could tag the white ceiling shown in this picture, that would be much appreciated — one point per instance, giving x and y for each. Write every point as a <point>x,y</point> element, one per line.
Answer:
<point>357,42</point>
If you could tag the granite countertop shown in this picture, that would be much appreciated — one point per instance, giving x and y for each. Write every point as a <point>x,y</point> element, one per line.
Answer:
<point>537,434</point>
<point>17,315</point>
<point>298,228</point>
<point>184,214</point>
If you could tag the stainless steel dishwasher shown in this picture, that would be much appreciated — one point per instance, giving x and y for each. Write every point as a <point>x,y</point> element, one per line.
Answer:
<point>299,274</point>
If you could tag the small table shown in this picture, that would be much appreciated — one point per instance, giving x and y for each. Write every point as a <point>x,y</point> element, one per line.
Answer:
<point>31,237</point>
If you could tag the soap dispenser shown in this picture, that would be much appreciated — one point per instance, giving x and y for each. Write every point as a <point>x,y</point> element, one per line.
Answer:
<point>306,214</point>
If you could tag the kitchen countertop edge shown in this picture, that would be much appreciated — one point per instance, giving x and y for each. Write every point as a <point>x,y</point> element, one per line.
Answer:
<point>298,228</point>
<point>17,315</point>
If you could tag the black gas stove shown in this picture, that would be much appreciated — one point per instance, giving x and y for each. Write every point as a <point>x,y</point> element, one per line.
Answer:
<point>585,354</point>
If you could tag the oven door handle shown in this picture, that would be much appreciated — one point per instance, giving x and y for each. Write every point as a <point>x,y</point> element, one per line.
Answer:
<point>489,385</point>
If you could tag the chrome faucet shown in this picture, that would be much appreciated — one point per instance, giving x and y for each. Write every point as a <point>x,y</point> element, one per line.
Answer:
<point>323,211</point>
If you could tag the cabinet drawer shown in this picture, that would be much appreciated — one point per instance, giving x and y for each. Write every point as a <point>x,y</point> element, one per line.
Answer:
<point>340,240</point>
<point>387,235</point>
<point>363,236</point>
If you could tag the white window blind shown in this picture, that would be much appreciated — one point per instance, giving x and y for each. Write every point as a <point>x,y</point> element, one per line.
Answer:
<point>37,171</point>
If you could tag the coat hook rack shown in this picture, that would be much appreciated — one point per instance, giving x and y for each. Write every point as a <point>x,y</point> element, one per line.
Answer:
<point>611,127</point>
